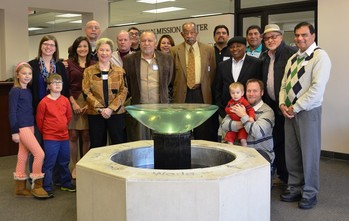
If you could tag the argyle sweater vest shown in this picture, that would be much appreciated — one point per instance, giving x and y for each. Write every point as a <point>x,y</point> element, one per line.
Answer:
<point>295,82</point>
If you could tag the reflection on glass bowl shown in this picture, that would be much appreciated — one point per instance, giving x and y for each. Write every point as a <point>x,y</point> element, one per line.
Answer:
<point>171,118</point>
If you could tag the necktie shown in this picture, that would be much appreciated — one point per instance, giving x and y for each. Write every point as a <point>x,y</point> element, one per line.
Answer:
<point>191,68</point>
<point>293,86</point>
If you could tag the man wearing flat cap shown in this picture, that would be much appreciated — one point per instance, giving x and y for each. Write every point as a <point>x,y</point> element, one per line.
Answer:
<point>239,68</point>
<point>274,62</point>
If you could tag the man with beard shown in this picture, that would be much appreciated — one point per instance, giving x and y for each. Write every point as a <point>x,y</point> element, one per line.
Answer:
<point>260,131</point>
<point>221,37</point>
<point>149,73</point>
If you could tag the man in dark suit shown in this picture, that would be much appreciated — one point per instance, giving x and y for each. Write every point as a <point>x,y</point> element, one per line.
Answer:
<point>239,68</point>
<point>149,74</point>
<point>205,68</point>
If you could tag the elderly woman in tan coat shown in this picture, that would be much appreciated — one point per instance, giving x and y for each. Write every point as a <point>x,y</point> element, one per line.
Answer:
<point>105,92</point>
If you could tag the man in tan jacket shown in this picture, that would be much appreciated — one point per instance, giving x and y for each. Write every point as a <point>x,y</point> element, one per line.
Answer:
<point>205,68</point>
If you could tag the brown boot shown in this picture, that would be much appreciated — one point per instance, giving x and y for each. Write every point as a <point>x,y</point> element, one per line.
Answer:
<point>37,189</point>
<point>21,189</point>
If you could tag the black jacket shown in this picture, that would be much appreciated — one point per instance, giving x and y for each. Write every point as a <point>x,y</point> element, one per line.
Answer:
<point>282,54</point>
<point>251,68</point>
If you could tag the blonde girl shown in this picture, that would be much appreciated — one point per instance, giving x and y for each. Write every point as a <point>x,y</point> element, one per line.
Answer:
<point>22,129</point>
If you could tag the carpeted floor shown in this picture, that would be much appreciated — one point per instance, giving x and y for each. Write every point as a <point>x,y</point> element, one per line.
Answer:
<point>333,200</point>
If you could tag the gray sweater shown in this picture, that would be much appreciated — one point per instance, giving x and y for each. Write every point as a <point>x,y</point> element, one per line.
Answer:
<point>260,132</point>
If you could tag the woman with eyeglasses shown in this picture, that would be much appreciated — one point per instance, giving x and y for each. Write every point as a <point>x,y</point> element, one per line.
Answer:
<point>46,63</point>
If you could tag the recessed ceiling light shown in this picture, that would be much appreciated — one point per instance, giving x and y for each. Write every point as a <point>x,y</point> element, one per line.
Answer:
<point>164,10</point>
<point>203,15</point>
<point>154,1</point>
<point>76,22</point>
<point>58,21</point>
<point>124,24</point>
<point>68,15</point>
<point>34,28</point>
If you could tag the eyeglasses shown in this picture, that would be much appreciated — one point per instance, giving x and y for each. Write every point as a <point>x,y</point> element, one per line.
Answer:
<point>93,27</point>
<point>134,33</point>
<point>57,82</point>
<point>49,45</point>
<point>272,37</point>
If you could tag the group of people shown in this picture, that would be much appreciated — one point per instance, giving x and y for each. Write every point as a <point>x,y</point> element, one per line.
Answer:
<point>285,126</point>
<point>268,98</point>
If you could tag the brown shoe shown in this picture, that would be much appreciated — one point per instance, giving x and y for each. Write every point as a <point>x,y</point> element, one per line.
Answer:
<point>37,189</point>
<point>21,190</point>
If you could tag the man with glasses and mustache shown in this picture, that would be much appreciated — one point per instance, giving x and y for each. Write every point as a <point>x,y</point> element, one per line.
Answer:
<point>194,69</point>
<point>134,34</point>
<point>274,63</point>
<point>149,73</point>
<point>92,31</point>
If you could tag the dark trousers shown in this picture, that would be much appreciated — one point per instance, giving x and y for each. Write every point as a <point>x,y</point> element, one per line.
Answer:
<point>279,142</point>
<point>99,127</point>
<point>205,131</point>
<point>135,130</point>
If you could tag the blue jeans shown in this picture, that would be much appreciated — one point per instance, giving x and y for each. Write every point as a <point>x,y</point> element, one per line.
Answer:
<point>57,153</point>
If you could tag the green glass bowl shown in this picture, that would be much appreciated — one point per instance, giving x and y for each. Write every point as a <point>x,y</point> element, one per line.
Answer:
<point>171,118</point>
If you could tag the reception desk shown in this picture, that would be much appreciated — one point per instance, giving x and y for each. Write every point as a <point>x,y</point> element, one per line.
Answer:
<point>7,146</point>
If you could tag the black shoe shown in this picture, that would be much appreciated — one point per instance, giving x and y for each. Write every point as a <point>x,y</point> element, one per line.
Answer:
<point>50,194</point>
<point>287,196</point>
<point>307,203</point>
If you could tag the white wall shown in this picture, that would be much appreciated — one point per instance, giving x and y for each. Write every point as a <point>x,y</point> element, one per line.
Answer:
<point>332,36</point>
<point>65,39</point>
<point>206,24</point>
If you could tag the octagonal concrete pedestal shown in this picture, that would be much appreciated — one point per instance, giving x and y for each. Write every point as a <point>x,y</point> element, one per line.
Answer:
<point>239,190</point>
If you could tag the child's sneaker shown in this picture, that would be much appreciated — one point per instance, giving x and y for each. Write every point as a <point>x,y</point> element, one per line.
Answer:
<point>50,194</point>
<point>71,188</point>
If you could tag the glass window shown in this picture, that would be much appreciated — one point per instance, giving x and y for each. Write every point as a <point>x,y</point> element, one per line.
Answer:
<point>248,21</point>
<point>259,3</point>
<point>41,21</point>
<point>287,22</point>
<point>134,12</point>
